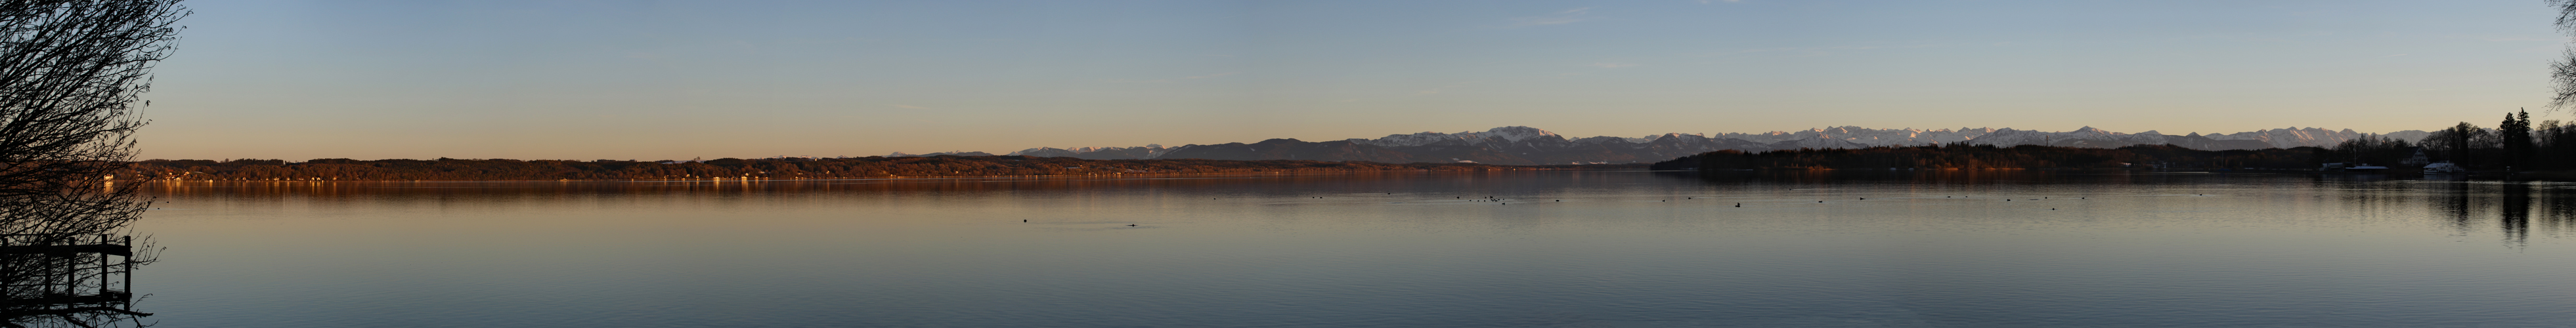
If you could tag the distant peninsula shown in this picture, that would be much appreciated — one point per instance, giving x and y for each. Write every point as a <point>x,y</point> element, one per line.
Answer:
<point>791,168</point>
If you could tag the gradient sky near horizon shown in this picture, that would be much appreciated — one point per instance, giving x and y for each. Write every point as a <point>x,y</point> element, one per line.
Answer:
<point>652,80</point>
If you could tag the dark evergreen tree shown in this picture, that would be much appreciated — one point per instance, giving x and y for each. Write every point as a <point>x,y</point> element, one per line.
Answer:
<point>2515,137</point>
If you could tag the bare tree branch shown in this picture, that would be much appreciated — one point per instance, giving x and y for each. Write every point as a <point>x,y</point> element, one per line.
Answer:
<point>2562,74</point>
<point>71,75</point>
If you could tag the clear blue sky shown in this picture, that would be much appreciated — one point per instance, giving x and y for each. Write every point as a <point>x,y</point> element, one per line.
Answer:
<point>680,79</point>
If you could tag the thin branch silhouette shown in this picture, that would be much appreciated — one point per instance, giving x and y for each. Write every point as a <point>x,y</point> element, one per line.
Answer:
<point>71,75</point>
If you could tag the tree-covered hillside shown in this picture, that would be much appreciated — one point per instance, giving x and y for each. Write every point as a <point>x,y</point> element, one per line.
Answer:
<point>1964,156</point>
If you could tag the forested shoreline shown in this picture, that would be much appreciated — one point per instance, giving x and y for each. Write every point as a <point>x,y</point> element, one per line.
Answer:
<point>2516,145</point>
<point>1966,156</point>
<point>449,169</point>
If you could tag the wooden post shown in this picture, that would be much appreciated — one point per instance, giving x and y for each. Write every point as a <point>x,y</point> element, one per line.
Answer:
<point>64,272</point>
<point>129,270</point>
<point>102,266</point>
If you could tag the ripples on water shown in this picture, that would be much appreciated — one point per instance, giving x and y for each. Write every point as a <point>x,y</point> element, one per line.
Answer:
<point>1580,249</point>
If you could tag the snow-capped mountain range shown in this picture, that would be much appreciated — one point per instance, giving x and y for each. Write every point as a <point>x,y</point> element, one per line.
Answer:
<point>1521,145</point>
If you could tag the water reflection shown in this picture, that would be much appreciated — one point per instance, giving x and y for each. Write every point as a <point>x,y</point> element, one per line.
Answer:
<point>2519,217</point>
<point>2513,207</point>
<point>2464,206</point>
<point>2515,216</point>
<point>2558,208</point>
<point>2452,202</point>
<point>1386,250</point>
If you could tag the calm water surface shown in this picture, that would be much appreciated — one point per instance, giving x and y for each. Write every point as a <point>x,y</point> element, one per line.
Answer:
<point>1566,249</point>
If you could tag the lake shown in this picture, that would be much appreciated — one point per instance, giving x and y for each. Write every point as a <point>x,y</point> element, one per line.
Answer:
<point>1495,249</point>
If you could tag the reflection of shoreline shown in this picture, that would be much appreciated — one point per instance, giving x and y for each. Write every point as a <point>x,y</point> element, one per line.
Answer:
<point>2515,216</point>
<point>2519,209</point>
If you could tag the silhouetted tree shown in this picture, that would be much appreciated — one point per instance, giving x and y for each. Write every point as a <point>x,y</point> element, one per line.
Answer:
<point>2371,149</point>
<point>70,75</point>
<point>2563,73</point>
<point>2556,146</point>
<point>2459,144</point>
<point>2515,137</point>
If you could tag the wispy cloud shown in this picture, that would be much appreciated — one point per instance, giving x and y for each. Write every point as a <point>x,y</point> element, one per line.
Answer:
<point>1611,65</point>
<point>903,106</point>
<point>1730,1</point>
<point>1568,16</point>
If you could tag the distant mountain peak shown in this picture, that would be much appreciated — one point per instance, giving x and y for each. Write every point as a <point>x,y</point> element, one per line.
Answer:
<point>1531,145</point>
<point>1516,133</point>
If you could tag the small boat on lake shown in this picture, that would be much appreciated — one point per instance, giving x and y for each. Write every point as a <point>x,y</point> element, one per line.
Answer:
<point>2352,168</point>
<point>2444,168</point>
